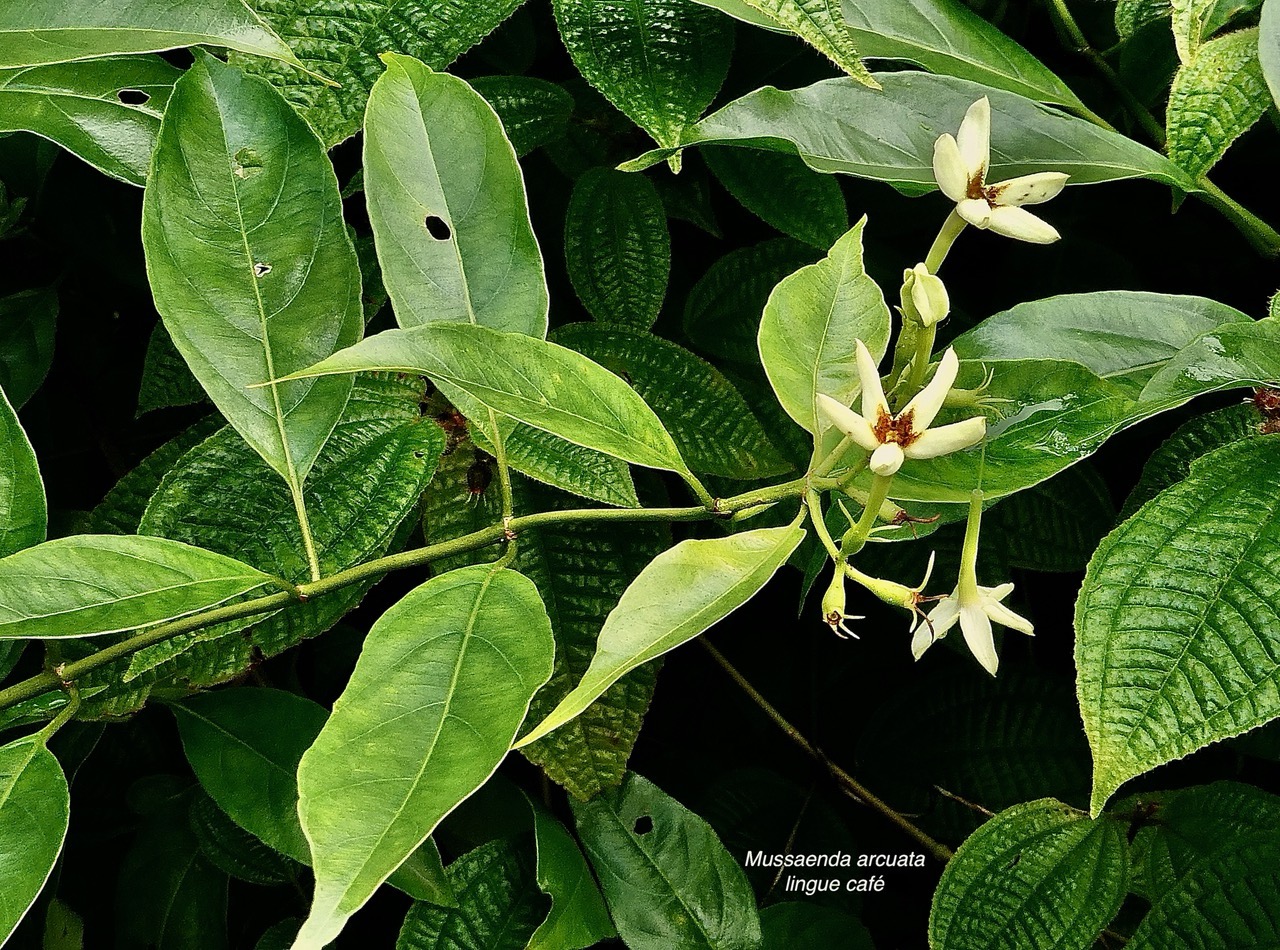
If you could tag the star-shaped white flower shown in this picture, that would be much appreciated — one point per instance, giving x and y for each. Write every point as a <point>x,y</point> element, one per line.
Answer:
<point>960,165</point>
<point>975,608</point>
<point>892,438</point>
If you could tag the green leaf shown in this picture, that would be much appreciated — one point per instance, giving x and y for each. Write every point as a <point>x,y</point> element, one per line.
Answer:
<point>1133,15</point>
<point>27,323</point>
<point>166,381</point>
<point>1122,336</point>
<point>712,426</point>
<point>820,23</point>
<point>87,585</point>
<point>533,111</point>
<point>668,879</point>
<point>680,594</point>
<point>106,111</point>
<point>795,924</point>
<point>1040,874</point>
<point>1269,47</point>
<point>234,851</point>
<point>1230,357</point>
<point>810,327</point>
<point>250,264</point>
<point>1215,99</point>
<point>23,510</point>
<point>841,126</point>
<point>1190,22</point>
<point>454,246</point>
<point>1057,525</point>
<point>440,689</point>
<point>35,806</point>
<point>783,192</point>
<point>499,904</point>
<point>685,50</point>
<point>1172,654</point>
<point>64,31</point>
<point>578,917</point>
<point>342,43</point>
<point>617,247</point>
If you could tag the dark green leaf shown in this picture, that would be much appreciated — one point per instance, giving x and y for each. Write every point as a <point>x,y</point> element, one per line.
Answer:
<point>533,111</point>
<point>23,511</point>
<point>793,924</point>
<point>26,342</point>
<point>234,851</point>
<point>1055,526</point>
<point>783,192</point>
<point>166,381</point>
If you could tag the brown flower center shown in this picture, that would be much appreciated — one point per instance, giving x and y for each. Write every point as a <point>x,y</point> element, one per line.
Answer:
<point>896,428</point>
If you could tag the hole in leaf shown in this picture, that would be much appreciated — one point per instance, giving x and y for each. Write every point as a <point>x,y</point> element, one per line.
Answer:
<point>418,455</point>
<point>246,163</point>
<point>261,270</point>
<point>133,97</point>
<point>1014,863</point>
<point>643,825</point>
<point>438,228</point>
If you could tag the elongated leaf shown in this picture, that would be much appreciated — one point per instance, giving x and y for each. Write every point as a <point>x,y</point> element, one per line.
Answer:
<point>23,510</point>
<point>685,50</point>
<point>679,595</point>
<point>617,247</point>
<point>1232,356</point>
<point>106,111</point>
<point>1215,99</point>
<point>1039,874</point>
<point>89,584</point>
<point>533,111</point>
<point>454,246</point>
<point>820,23</point>
<point>811,325</point>
<point>249,261</point>
<point>783,192</point>
<point>1173,654</point>
<point>342,43</point>
<point>578,916</point>
<point>442,685</point>
<point>668,879</point>
<point>35,806</point>
<point>1269,47</point>
<point>63,31</point>
<point>27,323</point>
<point>841,126</point>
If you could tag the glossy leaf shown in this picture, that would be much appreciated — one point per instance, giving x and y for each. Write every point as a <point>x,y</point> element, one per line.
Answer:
<point>250,264</point>
<point>533,111</point>
<point>454,246</point>
<point>35,806</point>
<point>783,192</point>
<point>617,247</point>
<point>23,510</point>
<point>811,326</point>
<point>1039,874</point>
<point>27,321</point>
<point>678,596</point>
<point>1269,47</point>
<point>578,917</point>
<point>1230,357</point>
<point>668,879</point>
<point>442,685</point>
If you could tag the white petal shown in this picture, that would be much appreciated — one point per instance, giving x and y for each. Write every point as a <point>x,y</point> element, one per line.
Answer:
<point>975,138</point>
<point>921,639</point>
<point>1029,189</point>
<point>887,459</point>
<point>873,401</point>
<point>948,168</point>
<point>997,593</point>
<point>944,440</point>
<point>976,211</point>
<point>925,405</point>
<point>944,616</point>
<point>848,422</point>
<point>1022,225</point>
<point>976,627</point>
<point>1007,618</point>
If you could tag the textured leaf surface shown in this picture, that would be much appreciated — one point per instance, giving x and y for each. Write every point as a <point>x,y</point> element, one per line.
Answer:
<point>533,111</point>
<point>447,204</point>
<point>617,247</point>
<point>1172,647</point>
<point>440,689</point>
<point>35,808</point>
<point>820,23</point>
<point>1190,21</point>
<point>1040,874</point>
<point>811,326</point>
<point>1057,525</point>
<point>27,321</point>
<point>668,879</point>
<point>679,595</point>
<point>783,192</point>
<point>578,916</point>
<point>166,380</point>
<point>234,851</point>
<point>249,261</point>
<point>1132,15</point>
<point>23,509</point>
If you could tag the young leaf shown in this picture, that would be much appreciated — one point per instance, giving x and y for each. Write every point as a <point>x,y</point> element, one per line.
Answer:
<point>441,687</point>
<point>811,325</point>
<point>454,245</point>
<point>27,321</point>
<point>783,192</point>
<point>1190,22</point>
<point>578,916</point>
<point>685,50</point>
<point>250,264</point>
<point>88,584</point>
<point>1172,657</point>
<point>668,879</point>
<point>1133,15</point>
<point>534,112</point>
<point>679,595</point>
<point>23,510</point>
<point>617,247</point>
<point>1039,874</point>
<point>1269,47</point>
<point>35,808</point>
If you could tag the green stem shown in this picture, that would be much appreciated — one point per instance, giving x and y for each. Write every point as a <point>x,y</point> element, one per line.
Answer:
<point>814,503</point>
<point>856,537</point>
<point>947,234</point>
<point>65,715</point>
<point>304,525</point>
<point>925,339</point>
<point>504,470</point>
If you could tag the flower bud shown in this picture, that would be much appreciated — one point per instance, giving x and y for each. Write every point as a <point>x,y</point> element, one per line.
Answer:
<point>929,296</point>
<point>833,604</point>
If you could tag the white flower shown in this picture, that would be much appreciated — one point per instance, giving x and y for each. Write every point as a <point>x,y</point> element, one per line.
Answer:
<point>961,163</point>
<point>892,438</point>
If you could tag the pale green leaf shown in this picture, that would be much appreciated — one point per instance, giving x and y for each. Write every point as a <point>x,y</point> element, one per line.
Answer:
<point>820,23</point>
<point>1037,875</point>
<point>678,596</point>
<point>447,204</point>
<point>811,325</point>
<point>35,808</point>
<point>1269,47</point>
<point>533,111</point>
<point>578,918</point>
<point>1190,22</point>
<point>27,321</point>
<point>23,509</point>
<point>441,688</point>
<point>783,192</point>
<point>250,264</point>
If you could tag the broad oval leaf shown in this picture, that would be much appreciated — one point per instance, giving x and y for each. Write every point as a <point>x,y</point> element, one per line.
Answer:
<point>90,584</point>
<point>783,192</point>
<point>23,509</point>
<point>249,261</point>
<point>1172,624</point>
<point>668,879</point>
<point>680,594</point>
<point>447,204</point>
<point>811,325</point>
<point>35,806</point>
<point>27,321</point>
<point>1036,875</point>
<point>534,112</point>
<point>578,916</point>
<point>441,687</point>
<point>1269,46</point>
